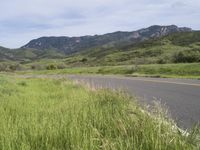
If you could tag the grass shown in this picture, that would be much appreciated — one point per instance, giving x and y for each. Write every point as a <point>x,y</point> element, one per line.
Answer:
<point>58,114</point>
<point>172,70</point>
<point>184,70</point>
<point>173,48</point>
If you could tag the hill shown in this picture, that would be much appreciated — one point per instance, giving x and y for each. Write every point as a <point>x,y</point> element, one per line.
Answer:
<point>60,47</point>
<point>173,48</point>
<point>70,45</point>
<point>165,44</point>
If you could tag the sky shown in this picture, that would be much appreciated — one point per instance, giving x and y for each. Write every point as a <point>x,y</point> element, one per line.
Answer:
<point>24,20</point>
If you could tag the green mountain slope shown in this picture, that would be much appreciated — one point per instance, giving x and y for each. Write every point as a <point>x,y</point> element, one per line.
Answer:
<point>174,48</point>
<point>71,45</point>
<point>179,47</point>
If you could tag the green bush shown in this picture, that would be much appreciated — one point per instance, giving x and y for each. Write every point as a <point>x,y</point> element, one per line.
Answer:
<point>61,66</point>
<point>51,67</point>
<point>3,67</point>
<point>84,60</point>
<point>14,67</point>
<point>161,60</point>
<point>187,56</point>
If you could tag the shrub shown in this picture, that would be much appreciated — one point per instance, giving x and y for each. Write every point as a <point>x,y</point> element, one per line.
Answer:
<point>84,60</point>
<point>33,67</point>
<point>51,67</point>
<point>61,66</point>
<point>187,56</point>
<point>3,67</point>
<point>37,67</point>
<point>15,67</point>
<point>161,61</point>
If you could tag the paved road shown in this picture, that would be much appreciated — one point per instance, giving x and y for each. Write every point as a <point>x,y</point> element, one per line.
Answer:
<point>181,96</point>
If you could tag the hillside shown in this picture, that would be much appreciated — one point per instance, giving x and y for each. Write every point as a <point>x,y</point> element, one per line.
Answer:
<point>70,45</point>
<point>173,48</point>
<point>60,47</point>
<point>162,47</point>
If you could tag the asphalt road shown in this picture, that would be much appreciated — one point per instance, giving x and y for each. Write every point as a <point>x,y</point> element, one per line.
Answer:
<point>180,96</point>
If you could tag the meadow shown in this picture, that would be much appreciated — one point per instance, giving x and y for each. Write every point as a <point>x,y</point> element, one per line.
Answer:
<point>182,70</point>
<point>60,114</point>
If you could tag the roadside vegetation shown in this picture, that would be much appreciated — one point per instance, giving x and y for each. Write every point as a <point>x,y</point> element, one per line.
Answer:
<point>181,47</point>
<point>184,70</point>
<point>58,114</point>
<point>174,55</point>
<point>44,113</point>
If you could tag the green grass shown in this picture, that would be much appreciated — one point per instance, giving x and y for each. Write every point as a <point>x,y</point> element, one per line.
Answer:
<point>58,114</point>
<point>163,50</point>
<point>168,50</point>
<point>185,70</point>
<point>173,48</point>
<point>172,70</point>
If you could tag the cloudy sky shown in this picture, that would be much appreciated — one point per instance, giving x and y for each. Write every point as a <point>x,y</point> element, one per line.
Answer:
<point>23,20</point>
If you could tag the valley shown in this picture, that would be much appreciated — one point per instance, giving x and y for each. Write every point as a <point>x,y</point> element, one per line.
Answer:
<point>98,92</point>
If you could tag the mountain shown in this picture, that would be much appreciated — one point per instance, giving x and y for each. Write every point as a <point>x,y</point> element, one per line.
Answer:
<point>5,54</point>
<point>179,47</point>
<point>155,44</point>
<point>71,45</point>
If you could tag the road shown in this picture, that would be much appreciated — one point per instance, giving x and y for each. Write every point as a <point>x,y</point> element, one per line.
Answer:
<point>180,96</point>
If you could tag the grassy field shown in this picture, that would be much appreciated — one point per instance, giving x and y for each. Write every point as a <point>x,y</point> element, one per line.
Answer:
<point>185,70</point>
<point>58,114</point>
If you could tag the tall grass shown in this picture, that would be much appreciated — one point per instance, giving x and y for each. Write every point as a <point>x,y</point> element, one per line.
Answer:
<point>58,114</point>
<point>187,70</point>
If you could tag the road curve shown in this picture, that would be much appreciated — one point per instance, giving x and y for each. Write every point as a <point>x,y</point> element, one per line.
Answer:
<point>180,96</point>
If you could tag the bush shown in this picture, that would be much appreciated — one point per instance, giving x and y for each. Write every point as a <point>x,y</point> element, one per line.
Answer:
<point>187,56</point>
<point>15,67</point>
<point>51,67</point>
<point>84,60</point>
<point>37,67</point>
<point>61,66</point>
<point>3,67</point>
<point>10,67</point>
<point>33,67</point>
<point>163,60</point>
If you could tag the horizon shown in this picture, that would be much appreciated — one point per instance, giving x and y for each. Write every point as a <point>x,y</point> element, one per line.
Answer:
<point>92,34</point>
<point>40,18</point>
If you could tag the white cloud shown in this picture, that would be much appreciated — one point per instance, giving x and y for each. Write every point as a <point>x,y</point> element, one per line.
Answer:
<point>23,20</point>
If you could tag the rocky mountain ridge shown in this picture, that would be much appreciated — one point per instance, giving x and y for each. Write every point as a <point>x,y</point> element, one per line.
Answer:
<point>70,45</point>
